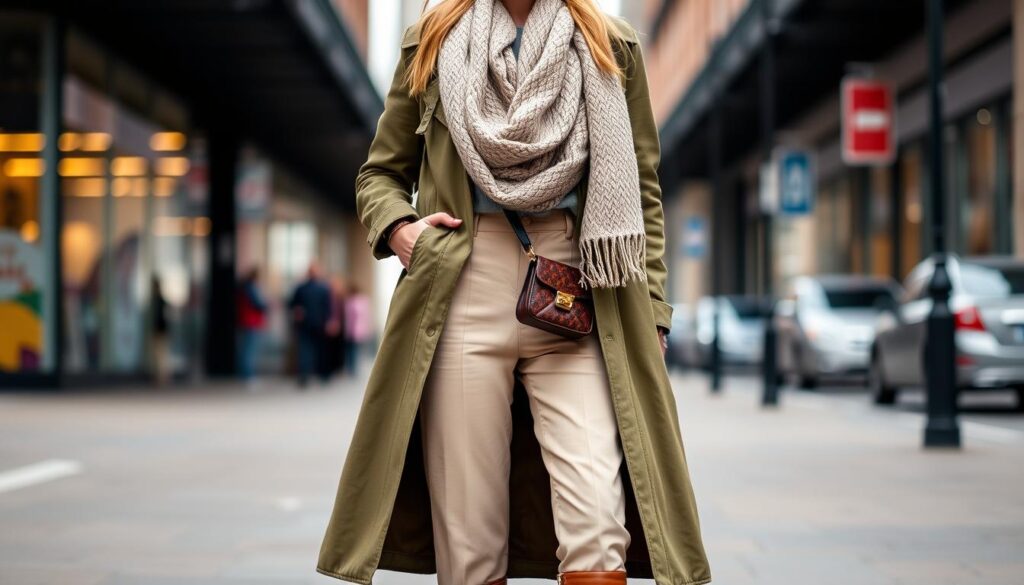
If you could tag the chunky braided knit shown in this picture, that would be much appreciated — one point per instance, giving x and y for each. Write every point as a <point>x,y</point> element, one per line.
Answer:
<point>525,128</point>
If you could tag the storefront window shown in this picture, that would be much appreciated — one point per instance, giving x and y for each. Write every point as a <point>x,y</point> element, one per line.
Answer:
<point>824,218</point>
<point>133,183</point>
<point>847,242</point>
<point>912,215</point>
<point>24,262</point>
<point>880,220</point>
<point>977,205</point>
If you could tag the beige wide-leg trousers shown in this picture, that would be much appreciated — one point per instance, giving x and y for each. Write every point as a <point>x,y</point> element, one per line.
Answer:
<point>467,421</point>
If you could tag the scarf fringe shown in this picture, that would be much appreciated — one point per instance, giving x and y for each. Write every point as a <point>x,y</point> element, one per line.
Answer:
<point>613,261</point>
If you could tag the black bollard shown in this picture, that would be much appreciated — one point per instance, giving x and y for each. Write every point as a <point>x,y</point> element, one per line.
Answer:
<point>769,363</point>
<point>716,350</point>
<point>942,429</point>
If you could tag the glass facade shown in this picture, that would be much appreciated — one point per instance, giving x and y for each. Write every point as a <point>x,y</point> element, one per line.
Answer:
<point>25,310</point>
<point>106,207</point>
<point>133,192</point>
<point>876,220</point>
<point>910,167</point>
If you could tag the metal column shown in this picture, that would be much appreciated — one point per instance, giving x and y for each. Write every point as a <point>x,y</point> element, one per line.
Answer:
<point>942,429</point>
<point>770,376</point>
<point>717,221</point>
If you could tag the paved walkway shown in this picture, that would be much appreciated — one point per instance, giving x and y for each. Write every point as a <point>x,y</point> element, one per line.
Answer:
<point>830,490</point>
<point>223,486</point>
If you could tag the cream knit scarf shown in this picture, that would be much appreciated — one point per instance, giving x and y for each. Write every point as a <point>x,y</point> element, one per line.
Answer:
<point>526,128</point>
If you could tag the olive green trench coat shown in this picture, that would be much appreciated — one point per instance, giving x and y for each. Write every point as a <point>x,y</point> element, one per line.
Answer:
<point>382,518</point>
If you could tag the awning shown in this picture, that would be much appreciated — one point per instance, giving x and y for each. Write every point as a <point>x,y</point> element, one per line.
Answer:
<point>816,41</point>
<point>283,73</point>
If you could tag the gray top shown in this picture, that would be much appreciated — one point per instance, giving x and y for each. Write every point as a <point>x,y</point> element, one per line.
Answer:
<point>484,204</point>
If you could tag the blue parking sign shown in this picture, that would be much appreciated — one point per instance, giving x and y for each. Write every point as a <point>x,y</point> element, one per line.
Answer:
<point>695,237</point>
<point>796,182</point>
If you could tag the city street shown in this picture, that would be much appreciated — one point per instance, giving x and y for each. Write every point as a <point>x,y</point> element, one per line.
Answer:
<point>225,485</point>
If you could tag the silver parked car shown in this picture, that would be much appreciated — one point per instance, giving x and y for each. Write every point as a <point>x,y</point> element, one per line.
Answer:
<point>829,325</point>
<point>988,306</point>
<point>740,329</point>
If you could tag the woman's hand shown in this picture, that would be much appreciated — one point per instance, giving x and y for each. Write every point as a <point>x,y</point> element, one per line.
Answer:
<point>663,340</point>
<point>404,238</point>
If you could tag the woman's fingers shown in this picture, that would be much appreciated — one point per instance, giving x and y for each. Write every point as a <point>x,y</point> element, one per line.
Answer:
<point>442,218</point>
<point>405,237</point>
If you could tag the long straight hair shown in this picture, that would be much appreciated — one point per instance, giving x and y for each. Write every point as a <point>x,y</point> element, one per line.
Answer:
<point>436,22</point>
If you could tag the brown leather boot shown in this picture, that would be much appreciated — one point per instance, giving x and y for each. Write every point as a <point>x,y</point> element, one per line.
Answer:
<point>592,578</point>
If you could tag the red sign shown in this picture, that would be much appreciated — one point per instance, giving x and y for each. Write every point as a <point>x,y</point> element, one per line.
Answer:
<point>869,122</point>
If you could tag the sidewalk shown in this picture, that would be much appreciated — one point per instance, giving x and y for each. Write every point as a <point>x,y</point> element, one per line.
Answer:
<point>830,490</point>
<point>222,486</point>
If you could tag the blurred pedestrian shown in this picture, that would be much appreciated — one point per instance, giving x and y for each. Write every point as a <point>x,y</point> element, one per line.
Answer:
<point>525,432</point>
<point>252,319</point>
<point>310,307</point>
<point>160,344</point>
<point>358,328</point>
<point>334,345</point>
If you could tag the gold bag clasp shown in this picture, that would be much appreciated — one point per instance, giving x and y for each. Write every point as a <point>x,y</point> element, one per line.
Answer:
<point>563,300</point>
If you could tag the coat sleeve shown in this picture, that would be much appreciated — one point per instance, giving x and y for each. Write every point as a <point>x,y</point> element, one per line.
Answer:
<point>387,179</point>
<point>648,156</point>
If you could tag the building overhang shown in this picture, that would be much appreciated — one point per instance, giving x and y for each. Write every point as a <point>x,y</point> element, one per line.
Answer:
<point>815,43</point>
<point>282,73</point>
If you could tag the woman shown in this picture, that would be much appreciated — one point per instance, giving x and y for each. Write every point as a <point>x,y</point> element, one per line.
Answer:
<point>358,327</point>
<point>252,319</point>
<point>535,455</point>
<point>336,341</point>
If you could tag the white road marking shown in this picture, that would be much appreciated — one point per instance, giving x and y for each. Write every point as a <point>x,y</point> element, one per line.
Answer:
<point>42,472</point>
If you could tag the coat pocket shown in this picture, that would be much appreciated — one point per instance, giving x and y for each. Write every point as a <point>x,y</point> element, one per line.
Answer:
<point>417,246</point>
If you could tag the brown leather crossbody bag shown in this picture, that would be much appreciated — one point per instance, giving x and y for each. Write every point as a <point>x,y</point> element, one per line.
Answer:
<point>552,298</point>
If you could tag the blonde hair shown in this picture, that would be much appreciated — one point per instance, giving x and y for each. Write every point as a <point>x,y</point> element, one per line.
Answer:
<point>436,22</point>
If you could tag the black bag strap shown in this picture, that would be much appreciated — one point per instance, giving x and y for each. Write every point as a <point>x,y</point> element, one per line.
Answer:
<point>517,227</point>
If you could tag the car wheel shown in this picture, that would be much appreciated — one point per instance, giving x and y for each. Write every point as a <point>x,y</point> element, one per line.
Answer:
<point>881,391</point>
<point>807,382</point>
<point>802,379</point>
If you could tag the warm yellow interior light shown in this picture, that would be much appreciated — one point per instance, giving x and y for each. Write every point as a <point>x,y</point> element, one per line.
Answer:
<point>130,187</point>
<point>96,141</point>
<point>80,247</point>
<point>164,186</point>
<point>24,167</point>
<point>30,231</point>
<point>81,167</point>
<point>172,166</point>
<point>69,141</point>
<point>167,141</point>
<point>22,142</point>
<point>128,166</point>
<point>87,187</point>
<point>201,226</point>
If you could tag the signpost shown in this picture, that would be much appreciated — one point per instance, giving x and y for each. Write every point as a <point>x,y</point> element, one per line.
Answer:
<point>869,122</point>
<point>796,177</point>
<point>788,183</point>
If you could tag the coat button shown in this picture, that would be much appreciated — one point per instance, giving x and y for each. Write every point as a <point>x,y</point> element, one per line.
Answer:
<point>431,331</point>
<point>608,337</point>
